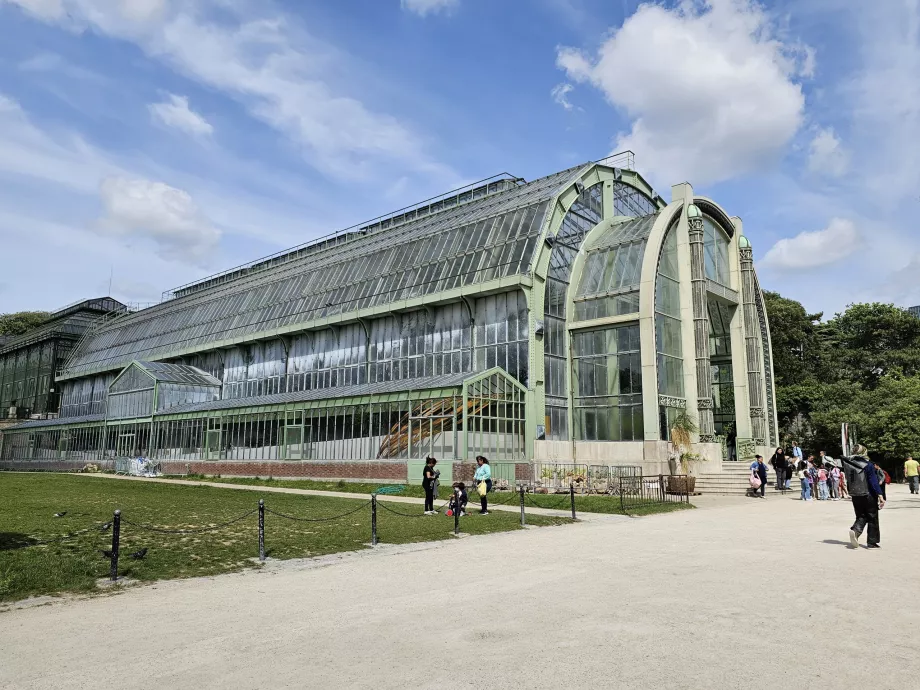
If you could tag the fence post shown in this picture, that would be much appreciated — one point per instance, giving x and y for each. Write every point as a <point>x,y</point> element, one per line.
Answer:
<point>373,519</point>
<point>456,511</point>
<point>116,536</point>
<point>620,487</point>
<point>523,517</point>
<point>572,496</point>
<point>261,529</point>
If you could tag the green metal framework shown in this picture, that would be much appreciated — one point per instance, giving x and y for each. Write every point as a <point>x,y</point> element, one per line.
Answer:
<point>480,324</point>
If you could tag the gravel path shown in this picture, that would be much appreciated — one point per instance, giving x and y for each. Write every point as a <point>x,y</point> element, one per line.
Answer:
<point>752,594</point>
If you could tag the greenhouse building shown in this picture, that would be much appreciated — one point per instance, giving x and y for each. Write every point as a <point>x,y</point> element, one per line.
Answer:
<point>571,318</point>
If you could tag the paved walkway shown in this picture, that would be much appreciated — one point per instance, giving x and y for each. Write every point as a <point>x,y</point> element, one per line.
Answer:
<point>756,594</point>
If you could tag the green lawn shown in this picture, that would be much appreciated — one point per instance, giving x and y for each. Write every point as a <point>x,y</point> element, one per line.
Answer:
<point>584,504</point>
<point>29,501</point>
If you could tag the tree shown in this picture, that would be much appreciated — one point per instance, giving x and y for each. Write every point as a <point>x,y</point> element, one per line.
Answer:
<point>875,340</point>
<point>21,322</point>
<point>861,367</point>
<point>798,352</point>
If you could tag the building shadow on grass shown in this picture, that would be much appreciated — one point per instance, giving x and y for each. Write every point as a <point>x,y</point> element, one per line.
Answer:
<point>9,541</point>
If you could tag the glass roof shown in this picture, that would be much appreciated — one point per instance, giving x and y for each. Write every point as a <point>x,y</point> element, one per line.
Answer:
<point>490,238</point>
<point>178,373</point>
<point>614,257</point>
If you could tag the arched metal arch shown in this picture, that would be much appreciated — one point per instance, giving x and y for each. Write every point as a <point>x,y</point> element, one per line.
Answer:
<point>712,209</point>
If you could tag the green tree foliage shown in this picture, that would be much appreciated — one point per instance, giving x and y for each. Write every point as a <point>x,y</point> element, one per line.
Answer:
<point>860,367</point>
<point>22,321</point>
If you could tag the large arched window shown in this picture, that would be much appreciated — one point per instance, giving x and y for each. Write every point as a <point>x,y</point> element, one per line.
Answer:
<point>715,252</point>
<point>668,334</point>
<point>584,214</point>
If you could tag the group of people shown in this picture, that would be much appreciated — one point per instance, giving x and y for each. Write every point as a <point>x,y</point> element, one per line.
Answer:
<point>459,497</point>
<point>825,478</point>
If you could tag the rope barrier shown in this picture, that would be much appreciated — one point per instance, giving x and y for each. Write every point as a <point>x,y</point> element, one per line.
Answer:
<point>326,519</point>
<point>161,530</point>
<point>565,503</point>
<point>383,505</point>
<point>513,495</point>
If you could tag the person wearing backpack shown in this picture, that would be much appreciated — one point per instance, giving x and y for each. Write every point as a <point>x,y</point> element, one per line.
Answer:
<point>863,485</point>
<point>884,479</point>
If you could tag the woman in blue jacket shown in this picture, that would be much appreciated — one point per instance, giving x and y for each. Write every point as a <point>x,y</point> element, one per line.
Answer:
<point>483,474</point>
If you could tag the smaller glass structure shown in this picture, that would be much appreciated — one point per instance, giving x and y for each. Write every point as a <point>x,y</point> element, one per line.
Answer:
<point>147,387</point>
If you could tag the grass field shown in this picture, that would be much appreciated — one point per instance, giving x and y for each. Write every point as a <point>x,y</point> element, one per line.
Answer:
<point>585,504</point>
<point>28,503</point>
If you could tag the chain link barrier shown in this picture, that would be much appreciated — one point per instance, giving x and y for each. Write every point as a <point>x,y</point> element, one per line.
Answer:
<point>324,519</point>
<point>564,504</point>
<point>199,530</point>
<point>512,496</point>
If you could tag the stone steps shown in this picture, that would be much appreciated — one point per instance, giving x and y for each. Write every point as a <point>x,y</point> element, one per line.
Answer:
<point>733,479</point>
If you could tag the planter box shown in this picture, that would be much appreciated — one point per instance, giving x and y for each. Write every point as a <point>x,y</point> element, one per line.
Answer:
<point>681,485</point>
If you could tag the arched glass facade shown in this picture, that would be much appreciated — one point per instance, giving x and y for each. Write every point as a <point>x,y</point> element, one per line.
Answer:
<point>414,335</point>
<point>715,252</point>
<point>584,214</point>
<point>668,335</point>
<point>610,265</point>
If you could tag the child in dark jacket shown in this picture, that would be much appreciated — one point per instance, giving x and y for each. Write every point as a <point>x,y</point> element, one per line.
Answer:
<point>459,492</point>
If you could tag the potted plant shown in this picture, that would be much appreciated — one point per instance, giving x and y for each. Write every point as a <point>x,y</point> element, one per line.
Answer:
<point>682,429</point>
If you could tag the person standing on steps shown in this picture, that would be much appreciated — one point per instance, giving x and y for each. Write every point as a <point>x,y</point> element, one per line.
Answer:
<point>778,462</point>
<point>429,482</point>
<point>483,478</point>
<point>761,470</point>
<point>862,482</point>
<point>912,474</point>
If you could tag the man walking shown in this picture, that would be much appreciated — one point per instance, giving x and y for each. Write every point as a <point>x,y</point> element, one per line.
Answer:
<point>912,472</point>
<point>866,493</point>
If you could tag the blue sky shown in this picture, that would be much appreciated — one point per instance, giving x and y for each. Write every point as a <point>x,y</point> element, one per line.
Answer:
<point>163,140</point>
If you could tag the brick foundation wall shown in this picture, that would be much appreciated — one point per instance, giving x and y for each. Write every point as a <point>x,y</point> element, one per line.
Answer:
<point>464,471</point>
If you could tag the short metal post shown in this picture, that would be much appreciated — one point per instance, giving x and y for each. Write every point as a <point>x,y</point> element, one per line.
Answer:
<point>661,493</point>
<point>523,517</point>
<point>373,519</point>
<point>572,496</point>
<point>116,536</point>
<point>620,491</point>
<point>261,529</point>
<point>456,511</point>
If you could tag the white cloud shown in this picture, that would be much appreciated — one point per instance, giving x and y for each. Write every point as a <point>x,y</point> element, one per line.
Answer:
<point>560,94</point>
<point>812,249</point>
<point>156,211</point>
<point>176,113</point>
<point>425,7</point>
<point>284,77</point>
<point>826,154</point>
<point>710,91</point>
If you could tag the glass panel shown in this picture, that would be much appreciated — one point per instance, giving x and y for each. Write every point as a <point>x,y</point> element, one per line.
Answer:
<point>667,321</point>
<point>608,384</point>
